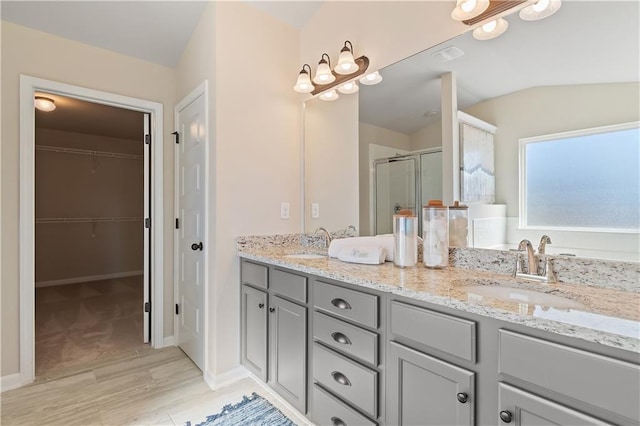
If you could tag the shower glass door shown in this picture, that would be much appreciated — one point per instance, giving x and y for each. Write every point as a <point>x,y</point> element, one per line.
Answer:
<point>396,190</point>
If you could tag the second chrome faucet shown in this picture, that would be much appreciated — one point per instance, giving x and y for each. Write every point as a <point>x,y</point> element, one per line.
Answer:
<point>540,269</point>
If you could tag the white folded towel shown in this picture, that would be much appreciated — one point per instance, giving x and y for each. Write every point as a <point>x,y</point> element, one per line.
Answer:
<point>384,241</point>
<point>363,254</point>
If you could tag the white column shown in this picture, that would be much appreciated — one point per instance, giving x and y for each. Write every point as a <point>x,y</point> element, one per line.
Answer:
<point>450,139</point>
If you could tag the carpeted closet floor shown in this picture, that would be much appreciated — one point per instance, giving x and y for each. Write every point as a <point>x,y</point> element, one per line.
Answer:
<point>78,325</point>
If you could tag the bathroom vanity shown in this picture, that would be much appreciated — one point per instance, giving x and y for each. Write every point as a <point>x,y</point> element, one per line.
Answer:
<point>359,344</point>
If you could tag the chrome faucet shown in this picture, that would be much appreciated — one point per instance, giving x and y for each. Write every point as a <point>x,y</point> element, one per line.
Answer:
<point>543,244</point>
<point>327,236</point>
<point>532,263</point>
<point>349,229</point>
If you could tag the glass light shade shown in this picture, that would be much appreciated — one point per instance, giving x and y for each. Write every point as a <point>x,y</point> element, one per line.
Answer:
<point>331,95</point>
<point>44,104</point>
<point>348,88</point>
<point>540,10</point>
<point>467,9</point>
<point>491,29</point>
<point>303,85</point>
<point>371,79</point>
<point>346,64</point>
<point>323,74</point>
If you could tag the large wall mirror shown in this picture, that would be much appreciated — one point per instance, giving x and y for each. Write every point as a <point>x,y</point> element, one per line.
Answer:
<point>575,70</point>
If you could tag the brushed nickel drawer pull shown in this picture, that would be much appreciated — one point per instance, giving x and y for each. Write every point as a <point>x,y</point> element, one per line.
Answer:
<point>340,378</point>
<point>337,421</point>
<point>340,338</point>
<point>340,303</point>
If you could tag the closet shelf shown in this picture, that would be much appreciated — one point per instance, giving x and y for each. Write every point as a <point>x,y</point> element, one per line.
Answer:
<point>87,219</point>
<point>89,152</point>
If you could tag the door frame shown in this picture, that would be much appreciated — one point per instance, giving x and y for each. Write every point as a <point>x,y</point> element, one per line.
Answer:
<point>28,86</point>
<point>201,90</point>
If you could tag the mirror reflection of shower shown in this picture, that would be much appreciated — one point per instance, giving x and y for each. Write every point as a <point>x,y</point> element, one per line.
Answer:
<point>404,183</point>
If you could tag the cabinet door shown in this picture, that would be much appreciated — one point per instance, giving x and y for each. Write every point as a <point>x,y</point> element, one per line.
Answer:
<point>254,331</point>
<point>288,351</point>
<point>422,390</point>
<point>522,408</point>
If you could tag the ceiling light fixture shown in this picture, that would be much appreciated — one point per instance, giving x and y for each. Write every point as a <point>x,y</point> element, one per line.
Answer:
<point>467,9</point>
<point>540,10</point>
<point>491,29</point>
<point>341,78</point>
<point>303,85</point>
<point>371,79</point>
<point>44,104</point>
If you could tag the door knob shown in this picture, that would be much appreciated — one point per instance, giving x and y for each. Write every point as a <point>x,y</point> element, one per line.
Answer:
<point>260,305</point>
<point>195,246</point>
<point>462,397</point>
<point>272,310</point>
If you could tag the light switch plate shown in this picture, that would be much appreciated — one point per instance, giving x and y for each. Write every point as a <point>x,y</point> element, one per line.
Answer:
<point>284,210</point>
<point>315,210</point>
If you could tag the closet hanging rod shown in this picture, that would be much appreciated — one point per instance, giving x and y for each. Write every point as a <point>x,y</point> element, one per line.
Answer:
<point>89,152</point>
<point>87,219</point>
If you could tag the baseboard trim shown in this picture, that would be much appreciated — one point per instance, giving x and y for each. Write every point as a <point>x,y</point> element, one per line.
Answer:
<point>88,278</point>
<point>168,341</point>
<point>300,420</point>
<point>225,379</point>
<point>9,382</point>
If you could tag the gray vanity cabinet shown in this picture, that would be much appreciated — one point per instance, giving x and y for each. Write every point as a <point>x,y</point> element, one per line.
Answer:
<point>288,350</point>
<point>274,329</point>
<point>254,331</point>
<point>521,408</point>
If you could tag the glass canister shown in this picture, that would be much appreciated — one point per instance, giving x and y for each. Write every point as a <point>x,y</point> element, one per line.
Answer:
<point>405,240</point>
<point>435,230</point>
<point>458,225</point>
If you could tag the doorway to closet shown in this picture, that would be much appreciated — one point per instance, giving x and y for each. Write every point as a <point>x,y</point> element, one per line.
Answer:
<point>92,192</point>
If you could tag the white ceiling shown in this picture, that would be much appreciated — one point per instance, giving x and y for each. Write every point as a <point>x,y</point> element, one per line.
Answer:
<point>294,13</point>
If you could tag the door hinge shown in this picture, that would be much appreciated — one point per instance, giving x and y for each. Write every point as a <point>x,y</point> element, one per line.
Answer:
<point>147,139</point>
<point>147,223</point>
<point>177,135</point>
<point>177,309</point>
<point>177,223</point>
<point>147,306</point>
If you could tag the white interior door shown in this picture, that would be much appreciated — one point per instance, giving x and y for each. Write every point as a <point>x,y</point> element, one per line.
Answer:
<point>146,304</point>
<point>192,248</point>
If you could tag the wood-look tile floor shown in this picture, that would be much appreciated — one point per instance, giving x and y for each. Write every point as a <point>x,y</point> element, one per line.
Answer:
<point>158,387</point>
<point>78,325</point>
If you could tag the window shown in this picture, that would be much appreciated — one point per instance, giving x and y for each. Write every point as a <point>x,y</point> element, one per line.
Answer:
<point>583,180</point>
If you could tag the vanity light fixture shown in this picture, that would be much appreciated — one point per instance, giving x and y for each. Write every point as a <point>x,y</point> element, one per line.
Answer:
<point>303,85</point>
<point>467,9</point>
<point>342,78</point>
<point>346,63</point>
<point>330,95</point>
<point>44,104</point>
<point>371,79</point>
<point>491,29</point>
<point>540,10</point>
<point>323,73</point>
<point>348,88</point>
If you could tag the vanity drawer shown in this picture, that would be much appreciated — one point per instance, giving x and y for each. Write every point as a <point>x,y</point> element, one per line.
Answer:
<point>351,304</point>
<point>254,274</point>
<point>348,338</point>
<point>328,410</point>
<point>289,285</point>
<point>455,336</point>
<point>351,381</point>
<point>600,381</point>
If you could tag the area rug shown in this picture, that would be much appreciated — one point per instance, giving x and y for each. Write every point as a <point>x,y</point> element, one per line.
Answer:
<point>252,410</point>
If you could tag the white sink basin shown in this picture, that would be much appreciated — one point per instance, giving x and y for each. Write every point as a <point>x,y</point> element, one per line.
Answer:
<point>511,294</point>
<point>305,256</point>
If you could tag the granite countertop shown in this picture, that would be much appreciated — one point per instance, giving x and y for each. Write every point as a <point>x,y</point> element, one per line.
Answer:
<point>603,315</point>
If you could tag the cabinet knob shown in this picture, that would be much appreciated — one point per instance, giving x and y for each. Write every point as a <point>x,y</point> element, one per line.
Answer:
<point>272,310</point>
<point>340,378</point>
<point>340,303</point>
<point>260,305</point>
<point>340,338</point>
<point>198,246</point>
<point>506,416</point>
<point>462,397</point>
<point>337,421</point>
